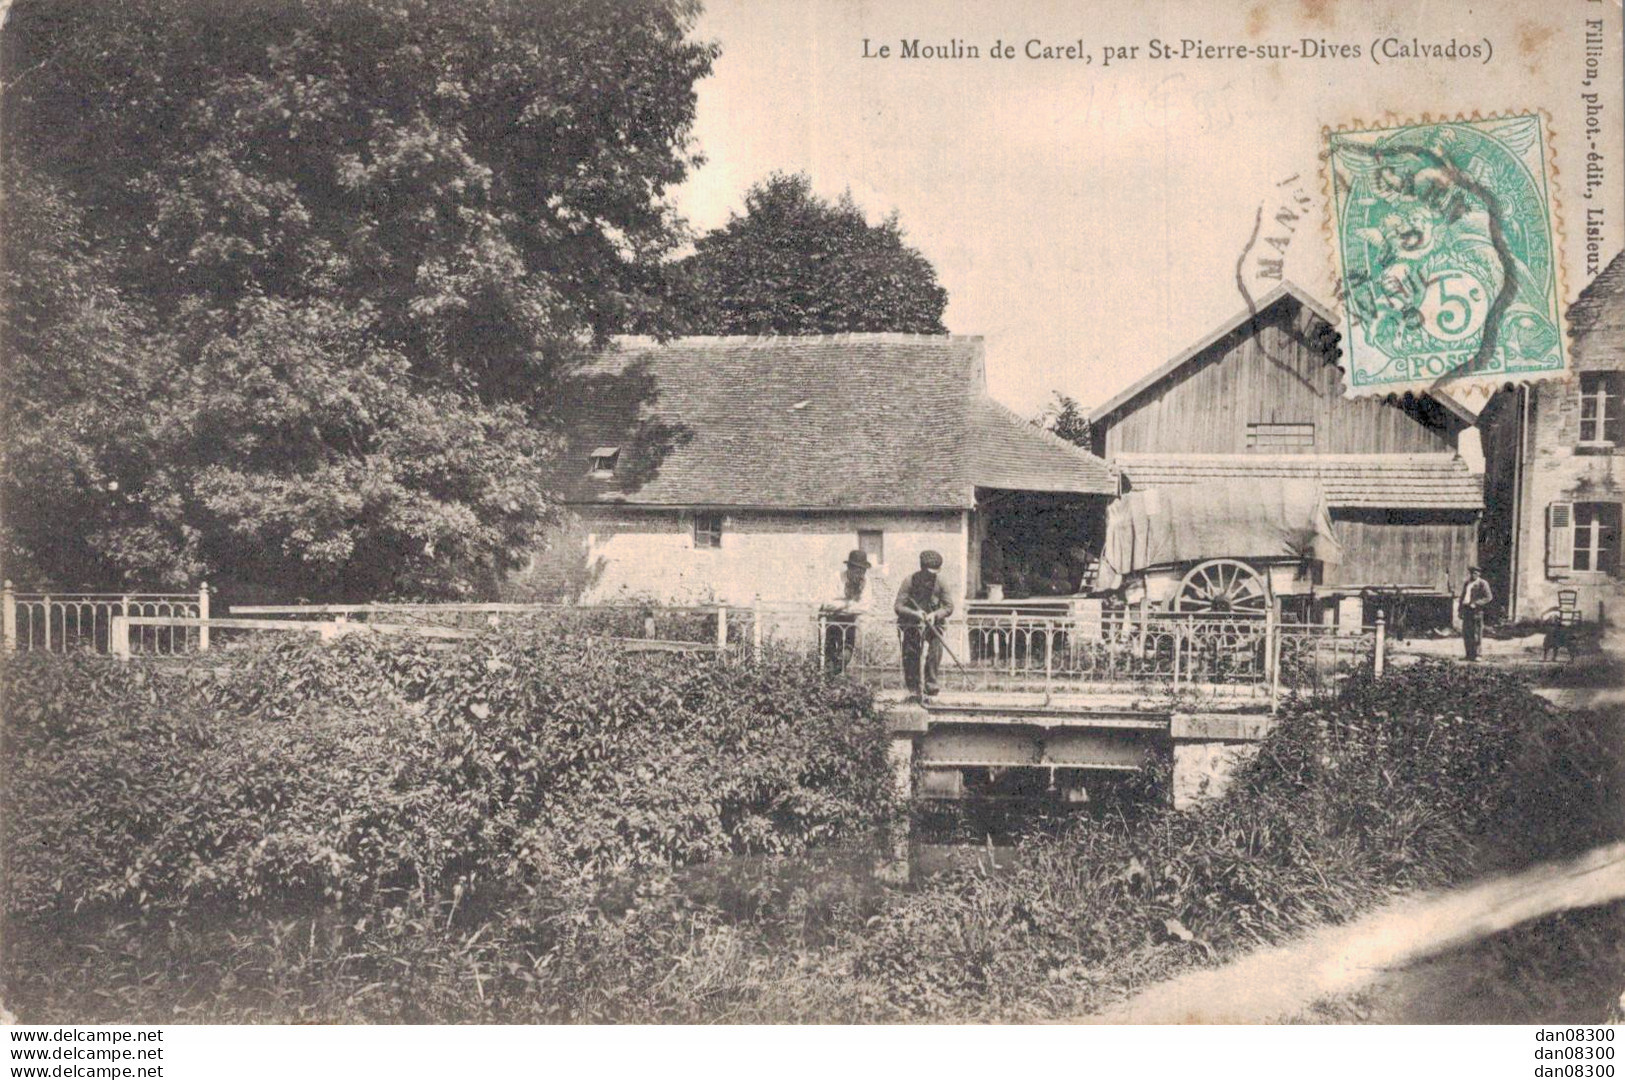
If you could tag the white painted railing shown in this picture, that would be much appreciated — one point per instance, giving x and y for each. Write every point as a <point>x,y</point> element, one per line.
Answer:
<point>62,622</point>
<point>1126,650</point>
<point>1258,658</point>
<point>123,627</point>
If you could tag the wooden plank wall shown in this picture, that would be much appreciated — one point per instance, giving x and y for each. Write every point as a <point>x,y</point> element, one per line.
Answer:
<point>1400,547</point>
<point>1271,374</point>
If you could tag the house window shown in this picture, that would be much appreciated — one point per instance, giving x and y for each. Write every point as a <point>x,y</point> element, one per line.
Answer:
<point>1280,436</point>
<point>1602,395</point>
<point>707,530</point>
<point>1596,537</point>
<point>872,542</point>
<point>603,461</point>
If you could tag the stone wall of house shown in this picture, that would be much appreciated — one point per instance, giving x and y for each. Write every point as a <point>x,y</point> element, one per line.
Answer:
<point>1559,469</point>
<point>611,554</point>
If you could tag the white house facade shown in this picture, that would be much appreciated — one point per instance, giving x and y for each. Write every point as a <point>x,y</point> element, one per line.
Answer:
<point>743,469</point>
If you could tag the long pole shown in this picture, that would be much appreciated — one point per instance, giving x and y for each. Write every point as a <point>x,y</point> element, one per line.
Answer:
<point>932,626</point>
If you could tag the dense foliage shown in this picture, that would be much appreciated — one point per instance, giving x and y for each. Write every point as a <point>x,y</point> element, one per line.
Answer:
<point>794,263</point>
<point>376,771</point>
<point>1414,781</point>
<point>290,287</point>
<point>1431,775</point>
<point>1066,418</point>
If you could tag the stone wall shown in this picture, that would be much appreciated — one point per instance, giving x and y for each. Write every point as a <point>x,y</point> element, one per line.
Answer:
<point>622,553</point>
<point>1203,770</point>
<point>1558,468</point>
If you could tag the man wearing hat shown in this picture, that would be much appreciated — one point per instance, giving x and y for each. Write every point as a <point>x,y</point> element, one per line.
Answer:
<point>840,618</point>
<point>922,607</point>
<point>1475,597</point>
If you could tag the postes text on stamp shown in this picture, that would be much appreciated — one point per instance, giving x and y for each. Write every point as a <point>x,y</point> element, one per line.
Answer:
<point>1446,239</point>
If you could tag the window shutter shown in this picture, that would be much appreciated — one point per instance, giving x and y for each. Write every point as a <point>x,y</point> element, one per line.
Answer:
<point>1559,536</point>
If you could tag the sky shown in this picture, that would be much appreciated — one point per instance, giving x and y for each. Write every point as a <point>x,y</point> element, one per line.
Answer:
<point>1087,219</point>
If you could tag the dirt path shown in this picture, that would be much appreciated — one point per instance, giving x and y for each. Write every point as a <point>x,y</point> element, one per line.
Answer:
<point>1282,983</point>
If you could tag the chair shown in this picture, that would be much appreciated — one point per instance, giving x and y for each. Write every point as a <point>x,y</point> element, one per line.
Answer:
<point>1568,607</point>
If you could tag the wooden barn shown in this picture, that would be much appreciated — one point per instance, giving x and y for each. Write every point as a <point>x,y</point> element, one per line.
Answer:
<point>1261,400</point>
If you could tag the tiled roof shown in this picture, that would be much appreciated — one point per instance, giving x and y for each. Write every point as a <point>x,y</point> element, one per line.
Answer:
<point>850,421</point>
<point>1011,453</point>
<point>1350,481</point>
<point>1597,319</point>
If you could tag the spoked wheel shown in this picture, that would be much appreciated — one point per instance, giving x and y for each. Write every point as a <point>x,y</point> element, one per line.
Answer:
<point>1223,587</point>
<point>1230,600</point>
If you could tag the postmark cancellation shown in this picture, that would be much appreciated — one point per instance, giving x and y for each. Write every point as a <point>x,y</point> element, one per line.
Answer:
<point>1446,237</point>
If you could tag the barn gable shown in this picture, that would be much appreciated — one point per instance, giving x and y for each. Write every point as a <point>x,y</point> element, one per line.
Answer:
<point>1267,382</point>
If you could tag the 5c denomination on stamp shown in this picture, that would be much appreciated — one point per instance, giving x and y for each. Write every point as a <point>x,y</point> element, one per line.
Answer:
<point>1446,236</point>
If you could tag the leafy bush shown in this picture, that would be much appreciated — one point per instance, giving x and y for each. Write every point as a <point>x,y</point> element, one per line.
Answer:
<point>1434,774</point>
<point>1408,782</point>
<point>375,770</point>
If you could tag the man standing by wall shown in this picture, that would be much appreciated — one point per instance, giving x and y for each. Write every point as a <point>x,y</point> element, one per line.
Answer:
<point>922,607</point>
<point>1476,595</point>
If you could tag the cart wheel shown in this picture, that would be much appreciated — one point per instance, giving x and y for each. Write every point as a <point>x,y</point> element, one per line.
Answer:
<point>1223,587</point>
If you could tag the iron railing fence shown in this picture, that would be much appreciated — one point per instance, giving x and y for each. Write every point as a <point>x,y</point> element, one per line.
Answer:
<point>1124,650</point>
<point>62,622</point>
<point>1315,660</point>
<point>1161,654</point>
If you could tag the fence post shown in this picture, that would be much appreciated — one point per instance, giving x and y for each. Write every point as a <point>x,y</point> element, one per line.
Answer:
<point>8,616</point>
<point>1049,660</point>
<point>46,607</point>
<point>203,613</point>
<point>1382,645</point>
<point>1178,647</point>
<point>118,637</point>
<point>722,630</point>
<point>1272,651</point>
<point>1272,631</point>
<point>756,629</point>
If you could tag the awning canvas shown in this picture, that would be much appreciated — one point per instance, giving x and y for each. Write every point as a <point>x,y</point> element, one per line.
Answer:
<point>1240,519</point>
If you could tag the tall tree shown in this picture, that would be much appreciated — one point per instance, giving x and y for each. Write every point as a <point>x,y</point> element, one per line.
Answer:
<point>794,263</point>
<point>291,286</point>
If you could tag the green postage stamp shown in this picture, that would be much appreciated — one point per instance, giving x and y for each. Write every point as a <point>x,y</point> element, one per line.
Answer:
<point>1446,240</point>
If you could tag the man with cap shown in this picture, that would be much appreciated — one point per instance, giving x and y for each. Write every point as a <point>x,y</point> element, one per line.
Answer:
<point>1475,597</point>
<point>840,618</point>
<point>922,607</point>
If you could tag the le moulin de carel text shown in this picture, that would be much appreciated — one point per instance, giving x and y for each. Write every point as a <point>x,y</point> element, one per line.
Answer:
<point>1378,50</point>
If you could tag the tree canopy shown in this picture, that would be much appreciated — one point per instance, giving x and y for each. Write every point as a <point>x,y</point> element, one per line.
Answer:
<point>291,287</point>
<point>1066,418</point>
<point>795,263</point>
